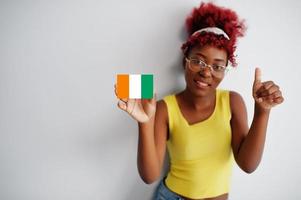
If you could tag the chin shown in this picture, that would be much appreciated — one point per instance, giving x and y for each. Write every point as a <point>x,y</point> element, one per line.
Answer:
<point>200,92</point>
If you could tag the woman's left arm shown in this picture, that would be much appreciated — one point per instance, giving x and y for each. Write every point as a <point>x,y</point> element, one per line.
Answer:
<point>248,144</point>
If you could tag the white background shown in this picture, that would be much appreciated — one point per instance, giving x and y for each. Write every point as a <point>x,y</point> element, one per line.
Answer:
<point>61,134</point>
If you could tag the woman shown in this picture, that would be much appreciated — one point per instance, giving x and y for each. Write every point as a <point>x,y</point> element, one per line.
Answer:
<point>204,128</point>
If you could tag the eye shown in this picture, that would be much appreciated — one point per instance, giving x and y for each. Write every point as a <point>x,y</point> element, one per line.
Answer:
<point>218,67</point>
<point>194,61</point>
<point>197,62</point>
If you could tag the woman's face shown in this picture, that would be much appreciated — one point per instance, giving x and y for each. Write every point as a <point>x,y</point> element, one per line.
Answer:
<point>202,83</point>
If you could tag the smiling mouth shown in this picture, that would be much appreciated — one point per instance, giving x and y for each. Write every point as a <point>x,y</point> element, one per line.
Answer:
<point>201,84</point>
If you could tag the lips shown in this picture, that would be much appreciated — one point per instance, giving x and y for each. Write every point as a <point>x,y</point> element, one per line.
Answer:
<point>202,84</point>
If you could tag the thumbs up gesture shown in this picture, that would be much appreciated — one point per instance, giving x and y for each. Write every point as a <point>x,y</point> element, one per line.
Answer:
<point>266,94</point>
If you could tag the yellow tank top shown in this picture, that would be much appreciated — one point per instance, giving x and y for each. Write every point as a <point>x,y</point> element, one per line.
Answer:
<point>201,156</point>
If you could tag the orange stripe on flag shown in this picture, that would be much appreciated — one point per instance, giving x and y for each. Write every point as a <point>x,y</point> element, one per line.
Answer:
<point>123,86</point>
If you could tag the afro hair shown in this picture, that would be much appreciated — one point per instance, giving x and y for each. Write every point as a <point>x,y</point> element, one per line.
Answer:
<point>211,15</point>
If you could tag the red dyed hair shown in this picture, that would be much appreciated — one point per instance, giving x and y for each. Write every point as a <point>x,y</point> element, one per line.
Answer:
<point>210,15</point>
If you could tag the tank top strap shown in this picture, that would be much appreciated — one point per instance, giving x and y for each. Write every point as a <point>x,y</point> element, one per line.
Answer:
<point>172,110</point>
<point>223,106</point>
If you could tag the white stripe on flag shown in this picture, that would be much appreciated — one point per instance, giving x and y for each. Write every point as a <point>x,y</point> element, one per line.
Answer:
<point>135,86</point>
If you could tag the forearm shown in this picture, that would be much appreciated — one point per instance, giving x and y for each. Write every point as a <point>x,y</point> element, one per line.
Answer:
<point>147,159</point>
<point>251,149</point>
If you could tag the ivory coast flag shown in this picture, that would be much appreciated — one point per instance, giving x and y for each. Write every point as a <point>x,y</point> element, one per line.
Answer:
<point>135,86</point>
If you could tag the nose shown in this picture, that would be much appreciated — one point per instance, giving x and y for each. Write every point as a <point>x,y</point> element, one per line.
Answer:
<point>205,72</point>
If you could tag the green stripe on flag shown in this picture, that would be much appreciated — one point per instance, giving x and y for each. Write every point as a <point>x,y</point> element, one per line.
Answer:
<point>147,86</point>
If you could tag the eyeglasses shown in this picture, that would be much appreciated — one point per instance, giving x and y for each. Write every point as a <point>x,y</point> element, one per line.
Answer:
<point>197,65</point>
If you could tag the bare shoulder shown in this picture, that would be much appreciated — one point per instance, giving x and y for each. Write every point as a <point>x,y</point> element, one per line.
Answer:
<point>161,104</point>
<point>235,99</point>
<point>235,96</point>
<point>236,102</point>
<point>161,110</point>
<point>161,120</point>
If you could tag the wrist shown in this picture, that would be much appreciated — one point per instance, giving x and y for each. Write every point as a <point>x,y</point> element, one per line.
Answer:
<point>260,110</point>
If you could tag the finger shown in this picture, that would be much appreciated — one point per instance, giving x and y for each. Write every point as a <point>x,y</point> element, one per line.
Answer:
<point>276,94</point>
<point>271,90</point>
<point>276,100</point>
<point>138,101</point>
<point>265,86</point>
<point>125,100</point>
<point>269,99</point>
<point>275,97</point>
<point>257,78</point>
<point>153,100</point>
<point>259,99</point>
<point>133,107</point>
<point>154,97</point>
<point>279,100</point>
<point>122,105</point>
<point>115,90</point>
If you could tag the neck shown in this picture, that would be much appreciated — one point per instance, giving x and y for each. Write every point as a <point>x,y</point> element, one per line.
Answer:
<point>198,102</point>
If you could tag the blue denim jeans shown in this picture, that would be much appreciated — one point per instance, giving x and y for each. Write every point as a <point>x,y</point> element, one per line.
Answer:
<point>163,193</point>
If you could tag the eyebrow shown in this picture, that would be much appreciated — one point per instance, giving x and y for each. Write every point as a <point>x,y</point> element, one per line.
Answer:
<point>215,59</point>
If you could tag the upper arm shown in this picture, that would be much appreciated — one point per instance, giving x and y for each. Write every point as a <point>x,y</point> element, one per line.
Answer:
<point>239,122</point>
<point>161,130</point>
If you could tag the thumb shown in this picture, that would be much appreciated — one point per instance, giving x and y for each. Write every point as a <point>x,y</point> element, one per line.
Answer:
<point>257,78</point>
<point>257,84</point>
<point>153,100</point>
